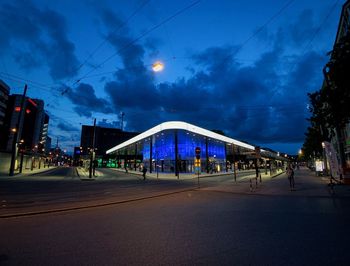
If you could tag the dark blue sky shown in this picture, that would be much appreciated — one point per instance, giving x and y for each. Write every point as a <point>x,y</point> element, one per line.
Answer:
<point>244,67</point>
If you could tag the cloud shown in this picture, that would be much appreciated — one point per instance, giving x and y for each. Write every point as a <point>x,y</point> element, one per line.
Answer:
<point>105,123</point>
<point>302,28</point>
<point>42,36</point>
<point>67,127</point>
<point>27,60</point>
<point>85,100</point>
<point>134,84</point>
<point>262,103</point>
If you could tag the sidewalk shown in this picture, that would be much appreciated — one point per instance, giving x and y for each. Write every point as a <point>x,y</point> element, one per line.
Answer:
<point>307,184</point>
<point>29,172</point>
<point>190,176</point>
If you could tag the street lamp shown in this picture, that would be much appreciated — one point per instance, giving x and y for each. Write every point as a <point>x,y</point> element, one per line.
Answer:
<point>324,158</point>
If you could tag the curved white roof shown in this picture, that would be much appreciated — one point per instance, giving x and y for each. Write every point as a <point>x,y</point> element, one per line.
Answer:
<point>183,126</point>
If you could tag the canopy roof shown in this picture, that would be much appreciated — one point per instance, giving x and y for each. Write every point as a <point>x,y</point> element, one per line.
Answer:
<point>183,126</point>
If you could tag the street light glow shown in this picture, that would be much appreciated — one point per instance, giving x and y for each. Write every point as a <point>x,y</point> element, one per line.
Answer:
<point>158,66</point>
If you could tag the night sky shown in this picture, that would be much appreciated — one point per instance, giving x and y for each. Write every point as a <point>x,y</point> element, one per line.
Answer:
<point>244,67</point>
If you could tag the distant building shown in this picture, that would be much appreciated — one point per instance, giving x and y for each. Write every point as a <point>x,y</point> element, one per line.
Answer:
<point>104,138</point>
<point>32,128</point>
<point>4,130</point>
<point>48,144</point>
<point>43,133</point>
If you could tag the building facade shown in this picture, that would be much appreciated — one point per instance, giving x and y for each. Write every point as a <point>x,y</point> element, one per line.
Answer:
<point>341,138</point>
<point>32,127</point>
<point>178,147</point>
<point>4,130</point>
<point>104,138</point>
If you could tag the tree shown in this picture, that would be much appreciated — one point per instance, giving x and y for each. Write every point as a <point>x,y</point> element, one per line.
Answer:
<point>312,146</point>
<point>337,89</point>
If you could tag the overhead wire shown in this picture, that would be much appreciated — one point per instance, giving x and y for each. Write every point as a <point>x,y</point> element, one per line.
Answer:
<point>255,33</point>
<point>17,78</point>
<point>316,32</point>
<point>272,18</point>
<point>139,38</point>
<point>116,29</point>
<point>100,45</point>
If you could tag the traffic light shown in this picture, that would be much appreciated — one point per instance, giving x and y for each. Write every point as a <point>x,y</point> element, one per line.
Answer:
<point>198,153</point>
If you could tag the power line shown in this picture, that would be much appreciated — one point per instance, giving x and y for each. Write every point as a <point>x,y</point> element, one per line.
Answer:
<point>321,25</point>
<point>138,38</point>
<point>22,80</point>
<point>280,11</point>
<point>272,18</point>
<point>116,29</point>
<point>27,80</point>
<point>313,36</point>
<point>165,61</point>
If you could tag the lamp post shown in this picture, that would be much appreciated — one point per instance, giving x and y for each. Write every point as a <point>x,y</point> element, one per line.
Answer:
<point>92,151</point>
<point>324,158</point>
<point>22,154</point>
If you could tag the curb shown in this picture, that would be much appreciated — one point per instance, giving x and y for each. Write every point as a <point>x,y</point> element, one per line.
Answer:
<point>277,174</point>
<point>37,173</point>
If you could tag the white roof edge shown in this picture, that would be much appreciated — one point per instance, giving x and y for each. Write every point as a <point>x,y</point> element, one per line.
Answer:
<point>180,125</point>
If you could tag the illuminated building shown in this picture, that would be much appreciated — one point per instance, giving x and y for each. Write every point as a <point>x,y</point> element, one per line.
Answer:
<point>4,95</point>
<point>33,126</point>
<point>170,148</point>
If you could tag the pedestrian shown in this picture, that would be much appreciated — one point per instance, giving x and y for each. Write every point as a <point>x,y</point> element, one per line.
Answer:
<point>290,175</point>
<point>94,165</point>
<point>144,171</point>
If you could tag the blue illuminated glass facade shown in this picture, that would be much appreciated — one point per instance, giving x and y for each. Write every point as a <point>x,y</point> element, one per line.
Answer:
<point>173,151</point>
<point>163,148</point>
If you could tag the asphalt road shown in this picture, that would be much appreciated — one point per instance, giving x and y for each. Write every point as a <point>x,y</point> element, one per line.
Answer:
<point>189,228</point>
<point>62,188</point>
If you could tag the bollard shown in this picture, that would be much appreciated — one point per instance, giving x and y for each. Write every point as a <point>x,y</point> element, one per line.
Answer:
<point>260,178</point>
<point>251,185</point>
<point>256,182</point>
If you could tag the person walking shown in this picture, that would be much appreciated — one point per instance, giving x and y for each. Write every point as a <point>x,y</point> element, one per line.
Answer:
<point>290,175</point>
<point>144,171</point>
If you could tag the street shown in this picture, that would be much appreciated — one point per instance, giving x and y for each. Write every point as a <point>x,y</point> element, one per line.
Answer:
<point>195,227</point>
<point>62,188</point>
<point>172,222</point>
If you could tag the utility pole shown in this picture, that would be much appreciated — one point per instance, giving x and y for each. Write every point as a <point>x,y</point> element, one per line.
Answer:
<point>122,120</point>
<point>234,162</point>
<point>92,151</point>
<point>16,134</point>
